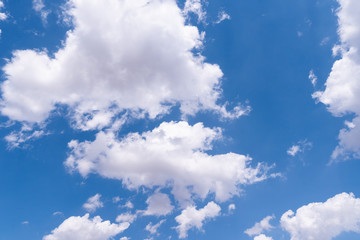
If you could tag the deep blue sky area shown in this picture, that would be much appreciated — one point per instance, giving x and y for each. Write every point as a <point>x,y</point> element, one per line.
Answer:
<point>266,52</point>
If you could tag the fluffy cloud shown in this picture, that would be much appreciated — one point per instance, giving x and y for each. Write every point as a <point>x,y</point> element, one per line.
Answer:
<point>260,227</point>
<point>171,155</point>
<point>191,217</point>
<point>126,217</point>
<point>262,237</point>
<point>325,220</point>
<point>93,203</point>
<point>75,228</point>
<point>342,92</point>
<point>121,56</point>
<point>159,204</point>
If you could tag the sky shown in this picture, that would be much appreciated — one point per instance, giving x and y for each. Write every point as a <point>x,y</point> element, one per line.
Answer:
<point>179,119</point>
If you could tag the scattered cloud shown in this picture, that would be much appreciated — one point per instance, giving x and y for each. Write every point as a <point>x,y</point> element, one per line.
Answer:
<point>171,155</point>
<point>84,228</point>
<point>126,217</point>
<point>93,203</point>
<point>222,16</point>
<point>260,227</point>
<point>57,213</point>
<point>25,222</point>
<point>312,77</point>
<point>324,220</point>
<point>39,7</point>
<point>342,88</point>
<point>195,6</point>
<point>231,208</point>
<point>193,218</point>
<point>153,228</point>
<point>3,16</point>
<point>300,147</point>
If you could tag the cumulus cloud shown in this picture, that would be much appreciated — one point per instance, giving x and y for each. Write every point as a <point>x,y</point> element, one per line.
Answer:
<point>300,147</point>
<point>262,237</point>
<point>153,228</point>
<point>171,155</point>
<point>196,7</point>
<point>159,204</point>
<point>349,144</point>
<point>260,227</point>
<point>121,56</point>
<point>75,228</point>
<point>39,6</point>
<point>325,220</point>
<point>126,217</point>
<point>342,92</point>
<point>193,218</point>
<point>93,203</point>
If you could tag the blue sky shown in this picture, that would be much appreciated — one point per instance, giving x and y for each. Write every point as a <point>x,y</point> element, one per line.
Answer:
<point>164,119</point>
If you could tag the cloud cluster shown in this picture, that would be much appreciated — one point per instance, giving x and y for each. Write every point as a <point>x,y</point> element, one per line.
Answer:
<point>84,228</point>
<point>342,92</point>
<point>133,56</point>
<point>324,220</point>
<point>193,218</point>
<point>171,155</point>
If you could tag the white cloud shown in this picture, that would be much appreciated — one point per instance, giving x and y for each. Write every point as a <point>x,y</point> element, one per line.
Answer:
<point>262,237</point>
<point>300,147</point>
<point>195,6</point>
<point>57,213</point>
<point>171,155</point>
<point>193,218</point>
<point>159,204</point>
<point>222,17</point>
<point>231,208</point>
<point>3,16</point>
<point>106,66</point>
<point>126,217</point>
<point>25,134</point>
<point>349,144</point>
<point>342,92</point>
<point>325,220</point>
<point>260,227</point>
<point>153,228</point>
<point>116,199</point>
<point>25,222</point>
<point>75,228</point>
<point>313,78</point>
<point>93,203</point>
<point>39,6</point>
<point>129,204</point>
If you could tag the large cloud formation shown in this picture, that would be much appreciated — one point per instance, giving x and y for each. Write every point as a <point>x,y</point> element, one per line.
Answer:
<point>342,93</point>
<point>75,228</point>
<point>171,155</point>
<point>325,220</point>
<point>121,55</point>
